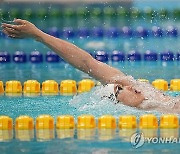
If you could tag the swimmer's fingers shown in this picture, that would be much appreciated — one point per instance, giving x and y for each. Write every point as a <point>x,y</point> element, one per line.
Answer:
<point>23,29</point>
<point>12,35</point>
<point>7,33</point>
<point>11,30</point>
<point>16,27</point>
<point>19,21</point>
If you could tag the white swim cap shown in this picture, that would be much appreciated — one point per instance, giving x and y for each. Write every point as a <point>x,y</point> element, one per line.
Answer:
<point>107,91</point>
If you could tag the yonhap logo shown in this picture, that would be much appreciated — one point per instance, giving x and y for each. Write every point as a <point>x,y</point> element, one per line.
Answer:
<point>137,140</point>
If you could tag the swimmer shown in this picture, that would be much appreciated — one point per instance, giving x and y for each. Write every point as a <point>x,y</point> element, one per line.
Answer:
<point>126,89</point>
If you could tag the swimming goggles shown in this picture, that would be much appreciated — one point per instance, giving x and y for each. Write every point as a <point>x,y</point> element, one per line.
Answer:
<point>118,89</point>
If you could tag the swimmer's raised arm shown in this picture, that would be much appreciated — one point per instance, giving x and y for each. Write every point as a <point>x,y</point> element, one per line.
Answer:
<point>69,52</point>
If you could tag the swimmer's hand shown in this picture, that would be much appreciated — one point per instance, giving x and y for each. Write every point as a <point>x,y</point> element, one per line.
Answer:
<point>20,29</point>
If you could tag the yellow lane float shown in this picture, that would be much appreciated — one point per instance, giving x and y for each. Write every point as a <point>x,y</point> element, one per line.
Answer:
<point>13,87</point>
<point>68,87</point>
<point>86,122</point>
<point>85,85</point>
<point>31,86</point>
<point>50,87</point>
<point>160,84</point>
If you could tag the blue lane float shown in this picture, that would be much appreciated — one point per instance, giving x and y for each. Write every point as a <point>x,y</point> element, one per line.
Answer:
<point>52,57</point>
<point>36,57</point>
<point>19,57</point>
<point>114,56</point>
<point>101,56</point>
<point>134,56</point>
<point>157,31</point>
<point>167,56</point>
<point>113,32</point>
<point>117,56</point>
<point>142,32</point>
<point>5,57</point>
<point>178,56</point>
<point>54,32</point>
<point>150,56</point>
<point>127,31</point>
<point>172,31</point>
<point>83,32</point>
<point>98,32</point>
<point>68,32</point>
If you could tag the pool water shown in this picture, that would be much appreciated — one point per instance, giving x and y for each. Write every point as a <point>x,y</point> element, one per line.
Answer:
<point>74,145</point>
<point>74,141</point>
<point>61,71</point>
<point>87,141</point>
<point>85,103</point>
<point>78,105</point>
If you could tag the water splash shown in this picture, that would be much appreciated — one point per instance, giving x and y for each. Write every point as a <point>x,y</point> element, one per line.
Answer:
<point>155,99</point>
<point>101,101</point>
<point>96,104</point>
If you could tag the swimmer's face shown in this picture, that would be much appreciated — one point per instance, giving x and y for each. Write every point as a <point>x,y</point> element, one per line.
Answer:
<point>128,95</point>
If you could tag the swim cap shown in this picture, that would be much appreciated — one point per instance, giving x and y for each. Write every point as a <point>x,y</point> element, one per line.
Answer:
<point>107,91</point>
